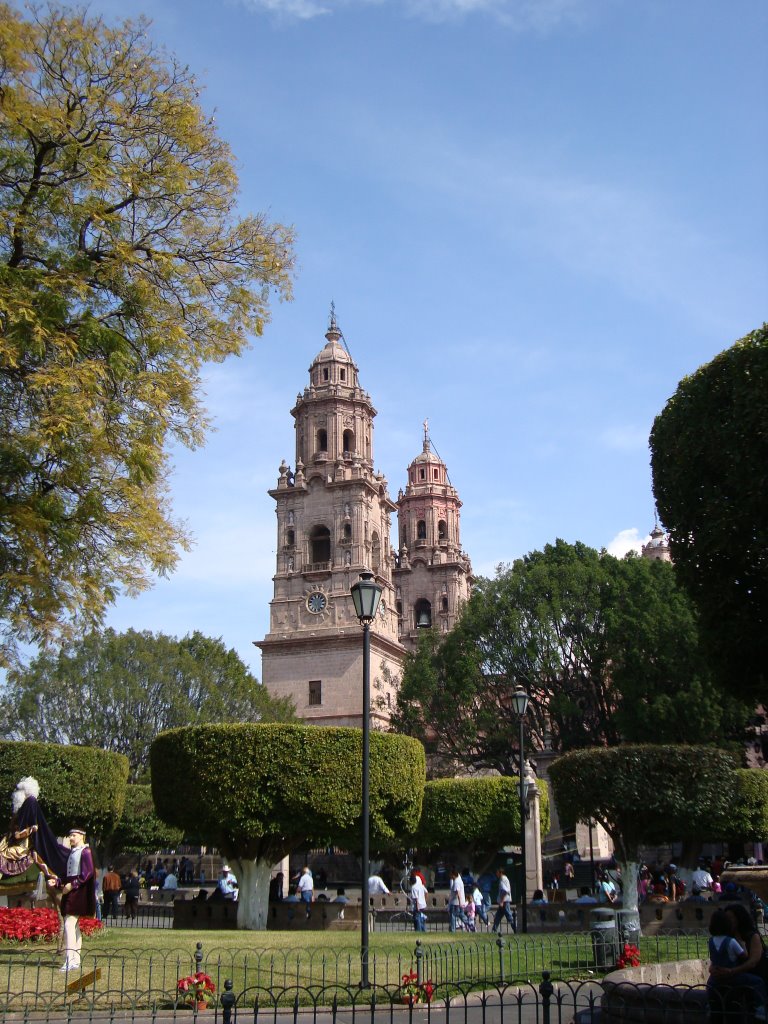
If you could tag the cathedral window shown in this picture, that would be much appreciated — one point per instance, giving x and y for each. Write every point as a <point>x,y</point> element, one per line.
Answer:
<point>348,442</point>
<point>442,530</point>
<point>320,543</point>
<point>315,692</point>
<point>445,604</point>
<point>435,474</point>
<point>421,530</point>
<point>422,474</point>
<point>342,374</point>
<point>322,440</point>
<point>347,531</point>
<point>325,373</point>
<point>290,538</point>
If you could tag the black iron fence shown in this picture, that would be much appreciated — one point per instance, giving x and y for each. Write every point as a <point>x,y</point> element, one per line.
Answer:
<point>472,979</point>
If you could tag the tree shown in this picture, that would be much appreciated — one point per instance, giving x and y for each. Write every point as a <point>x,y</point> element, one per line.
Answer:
<point>139,830</point>
<point>607,648</point>
<point>79,786</point>
<point>118,690</point>
<point>646,795</point>
<point>473,818</point>
<point>259,791</point>
<point>123,269</point>
<point>709,454</point>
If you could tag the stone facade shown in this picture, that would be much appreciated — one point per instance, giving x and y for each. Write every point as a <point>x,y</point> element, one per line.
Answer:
<point>433,575</point>
<point>334,520</point>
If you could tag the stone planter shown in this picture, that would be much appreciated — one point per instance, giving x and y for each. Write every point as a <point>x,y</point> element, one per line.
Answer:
<point>754,878</point>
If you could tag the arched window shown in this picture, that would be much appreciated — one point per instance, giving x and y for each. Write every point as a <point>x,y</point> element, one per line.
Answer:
<point>442,530</point>
<point>322,440</point>
<point>320,544</point>
<point>290,538</point>
<point>349,441</point>
<point>347,531</point>
<point>422,613</point>
<point>421,530</point>
<point>445,604</point>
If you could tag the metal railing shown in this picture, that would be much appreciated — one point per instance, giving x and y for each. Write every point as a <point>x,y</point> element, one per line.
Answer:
<point>32,984</point>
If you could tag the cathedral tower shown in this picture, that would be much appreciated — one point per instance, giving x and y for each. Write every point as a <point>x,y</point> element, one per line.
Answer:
<point>333,521</point>
<point>433,576</point>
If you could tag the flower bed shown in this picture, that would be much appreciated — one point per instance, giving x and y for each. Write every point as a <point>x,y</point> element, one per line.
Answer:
<point>17,924</point>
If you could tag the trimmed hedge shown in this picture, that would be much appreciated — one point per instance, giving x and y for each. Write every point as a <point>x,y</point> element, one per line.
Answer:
<point>647,794</point>
<point>749,819</point>
<point>259,790</point>
<point>79,786</point>
<point>481,812</point>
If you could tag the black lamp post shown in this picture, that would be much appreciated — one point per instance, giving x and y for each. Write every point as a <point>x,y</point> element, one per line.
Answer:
<point>366,594</point>
<point>520,704</point>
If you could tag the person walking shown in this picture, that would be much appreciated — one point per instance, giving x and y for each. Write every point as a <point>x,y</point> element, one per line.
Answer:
<point>418,897</point>
<point>132,890</point>
<point>111,884</point>
<point>505,902</point>
<point>456,902</point>
<point>305,888</point>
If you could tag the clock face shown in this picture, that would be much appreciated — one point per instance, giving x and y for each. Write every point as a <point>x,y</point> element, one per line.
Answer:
<point>316,602</point>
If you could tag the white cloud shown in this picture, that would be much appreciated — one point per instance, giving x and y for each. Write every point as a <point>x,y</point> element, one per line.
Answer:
<point>521,15</point>
<point>625,541</point>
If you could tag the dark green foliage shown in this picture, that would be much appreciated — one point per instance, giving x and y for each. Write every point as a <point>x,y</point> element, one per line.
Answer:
<point>118,690</point>
<point>473,818</point>
<point>607,648</point>
<point>710,478</point>
<point>258,791</point>
<point>647,794</point>
<point>79,786</point>
<point>139,830</point>
<point>749,819</point>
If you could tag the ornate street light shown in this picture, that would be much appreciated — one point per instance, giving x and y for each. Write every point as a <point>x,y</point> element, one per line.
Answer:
<point>366,594</point>
<point>520,701</point>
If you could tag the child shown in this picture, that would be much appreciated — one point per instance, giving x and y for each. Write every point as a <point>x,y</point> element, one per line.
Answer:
<point>469,910</point>
<point>724,949</point>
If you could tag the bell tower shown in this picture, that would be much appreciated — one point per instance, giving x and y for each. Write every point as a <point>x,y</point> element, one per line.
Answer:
<point>433,575</point>
<point>333,522</point>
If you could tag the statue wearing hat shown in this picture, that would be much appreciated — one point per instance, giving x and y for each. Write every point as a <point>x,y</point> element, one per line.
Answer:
<point>29,846</point>
<point>78,889</point>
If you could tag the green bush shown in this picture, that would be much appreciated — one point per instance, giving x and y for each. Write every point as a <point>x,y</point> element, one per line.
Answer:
<point>479,813</point>
<point>79,786</point>
<point>749,820</point>
<point>139,829</point>
<point>258,791</point>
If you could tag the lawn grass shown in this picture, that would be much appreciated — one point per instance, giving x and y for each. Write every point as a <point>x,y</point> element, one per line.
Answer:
<point>140,967</point>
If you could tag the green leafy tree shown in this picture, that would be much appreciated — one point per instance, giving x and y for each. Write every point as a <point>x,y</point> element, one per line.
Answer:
<point>118,690</point>
<point>139,830</point>
<point>607,648</point>
<point>123,269</point>
<point>79,786</point>
<point>709,451</point>
<point>472,819</point>
<point>256,792</point>
<point>646,795</point>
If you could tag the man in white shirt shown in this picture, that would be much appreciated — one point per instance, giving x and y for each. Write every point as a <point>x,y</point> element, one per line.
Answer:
<point>701,878</point>
<point>377,886</point>
<point>227,884</point>
<point>456,902</point>
<point>305,888</point>
<point>418,903</point>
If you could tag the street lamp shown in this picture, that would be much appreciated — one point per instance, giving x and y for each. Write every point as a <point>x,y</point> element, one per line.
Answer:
<point>520,701</point>
<point>366,594</point>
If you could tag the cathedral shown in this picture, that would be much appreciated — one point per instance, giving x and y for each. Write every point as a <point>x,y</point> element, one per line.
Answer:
<point>334,520</point>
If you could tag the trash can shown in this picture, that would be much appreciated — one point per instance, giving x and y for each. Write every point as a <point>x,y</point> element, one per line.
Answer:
<point>605,939</point>
<point>629,926</point>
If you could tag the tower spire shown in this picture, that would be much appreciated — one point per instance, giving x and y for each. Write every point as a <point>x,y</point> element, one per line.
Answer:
<point>333,333</point>
<point>426,435</point>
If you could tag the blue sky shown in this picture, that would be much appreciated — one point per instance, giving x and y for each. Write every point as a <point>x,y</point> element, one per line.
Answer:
<point>534,216</point>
